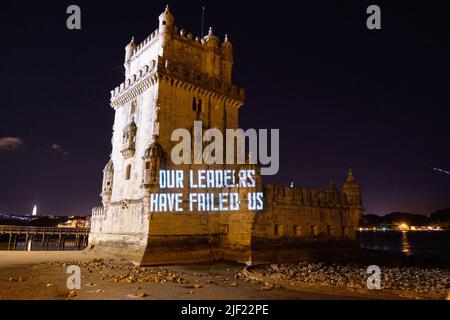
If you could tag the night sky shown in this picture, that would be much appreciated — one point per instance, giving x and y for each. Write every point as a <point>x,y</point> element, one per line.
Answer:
<point>342,95</point>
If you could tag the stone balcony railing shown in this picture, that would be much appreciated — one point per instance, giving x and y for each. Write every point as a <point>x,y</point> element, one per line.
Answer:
<point>128,149</point>
<point>98,212</point>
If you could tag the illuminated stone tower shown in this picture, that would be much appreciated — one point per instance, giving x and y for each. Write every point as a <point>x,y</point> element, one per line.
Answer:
<point>171,79</point>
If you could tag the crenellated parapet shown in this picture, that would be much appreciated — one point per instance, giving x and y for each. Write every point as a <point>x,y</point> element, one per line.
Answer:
<point>147,42</point>
<point>276,194</point>
<point>182,72</point>
<point>177,74</point>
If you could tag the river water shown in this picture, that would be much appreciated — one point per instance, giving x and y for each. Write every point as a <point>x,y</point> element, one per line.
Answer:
<point>422,244</point>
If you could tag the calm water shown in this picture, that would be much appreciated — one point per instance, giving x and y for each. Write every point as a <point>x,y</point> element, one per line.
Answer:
<point>422,244</point>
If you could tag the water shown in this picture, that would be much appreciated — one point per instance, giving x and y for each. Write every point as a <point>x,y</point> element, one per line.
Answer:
<point>422,244</point>
<point>70,244</point>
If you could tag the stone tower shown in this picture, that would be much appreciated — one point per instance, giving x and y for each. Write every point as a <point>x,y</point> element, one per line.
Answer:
<point>171,79</point>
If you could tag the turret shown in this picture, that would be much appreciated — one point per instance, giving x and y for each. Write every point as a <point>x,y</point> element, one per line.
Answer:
<point>227,49</point>
<point>352,190</point>
<point>227,63</point>
<point>130,49</point>
<point>152,162</point>
<point>166,23</point>
<point>107,184</point>
<point>210,40</point>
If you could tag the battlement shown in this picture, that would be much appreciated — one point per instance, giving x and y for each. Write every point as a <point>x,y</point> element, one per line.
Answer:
<point>181,35</point>
<point>274,194</point>
<point>175,71</point>
<point>146,43</point>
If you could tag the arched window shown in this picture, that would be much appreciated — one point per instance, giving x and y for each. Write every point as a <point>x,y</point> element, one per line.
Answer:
<point>196,105</point>
<point>128,172</point>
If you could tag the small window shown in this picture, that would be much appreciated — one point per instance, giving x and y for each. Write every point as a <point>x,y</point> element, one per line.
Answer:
<point>329,230</point>
<point>128,172</point>
<point>147,165</point>
<point>197,105</point>
<point>164,22</point>
<point>295,230</point>
<point>275,230</point>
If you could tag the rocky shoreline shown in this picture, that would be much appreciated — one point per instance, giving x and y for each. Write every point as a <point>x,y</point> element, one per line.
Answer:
<point>419,281</point>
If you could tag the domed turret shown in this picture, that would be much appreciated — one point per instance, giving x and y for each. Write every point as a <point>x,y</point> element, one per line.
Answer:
<point>153,159</point>
<point>352,189</point>
<point>227,49</point>
<point>130,49</point>
<point>211,41</point>
<point>166,23</point>
<point>107,184</point>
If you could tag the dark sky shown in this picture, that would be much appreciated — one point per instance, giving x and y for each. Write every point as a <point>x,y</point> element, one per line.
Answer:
<point>342,95</point>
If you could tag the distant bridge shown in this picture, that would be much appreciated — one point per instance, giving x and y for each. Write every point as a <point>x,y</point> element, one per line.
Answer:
<point>45,235</point>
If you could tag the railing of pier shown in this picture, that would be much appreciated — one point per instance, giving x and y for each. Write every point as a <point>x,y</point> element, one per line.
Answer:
<point>43,230</point>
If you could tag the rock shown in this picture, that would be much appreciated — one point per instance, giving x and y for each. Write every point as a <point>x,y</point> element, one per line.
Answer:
<point>233,284</point>
<point>99,291</point>
<point>197,285</point>
<point>49,285</point>
<point>12,280</point>
<point>72,294</point>
<point>141,294</point>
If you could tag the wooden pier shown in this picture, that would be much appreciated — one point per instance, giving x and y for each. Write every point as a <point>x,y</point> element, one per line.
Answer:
<point>45,235</point>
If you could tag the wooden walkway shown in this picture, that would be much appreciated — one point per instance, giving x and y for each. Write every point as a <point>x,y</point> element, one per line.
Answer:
<point>45,235</point>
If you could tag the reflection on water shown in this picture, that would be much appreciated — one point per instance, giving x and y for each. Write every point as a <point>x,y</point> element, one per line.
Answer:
<point>406,247</point>
<point>426,244</point>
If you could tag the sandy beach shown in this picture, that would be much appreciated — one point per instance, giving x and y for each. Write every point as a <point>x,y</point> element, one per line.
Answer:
<point>43,275</point>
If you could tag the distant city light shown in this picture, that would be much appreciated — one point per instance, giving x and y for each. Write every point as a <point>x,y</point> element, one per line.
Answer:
<point>34,214</point>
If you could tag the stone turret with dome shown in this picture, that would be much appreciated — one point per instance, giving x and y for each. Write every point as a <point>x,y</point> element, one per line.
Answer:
<point>352,189</point>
